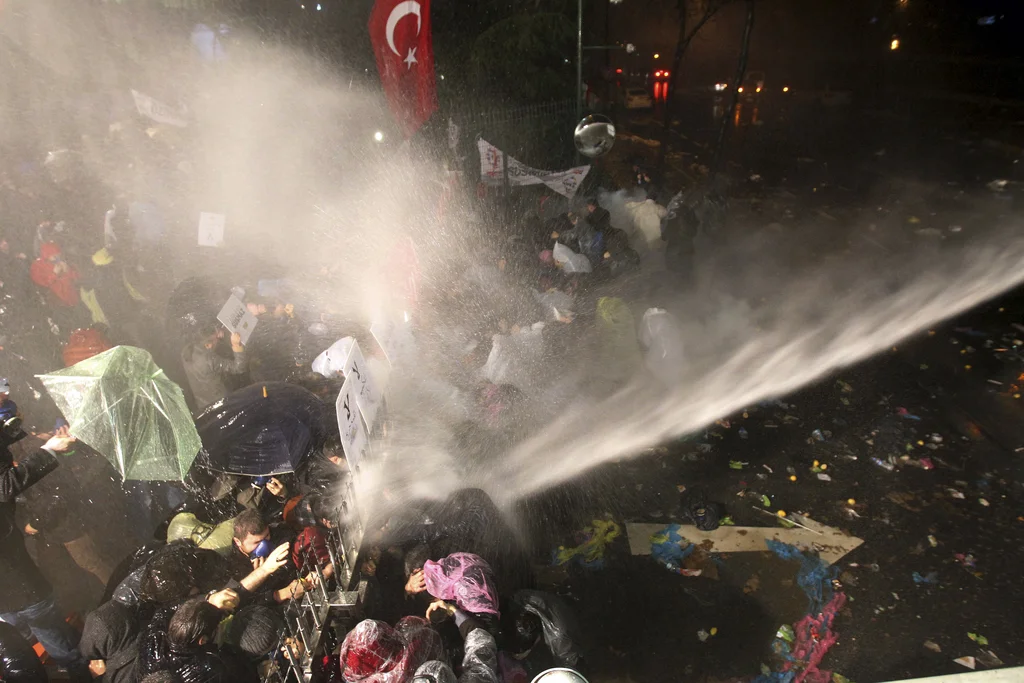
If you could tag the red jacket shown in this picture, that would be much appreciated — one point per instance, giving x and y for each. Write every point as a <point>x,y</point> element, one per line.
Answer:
<point>63,286</point>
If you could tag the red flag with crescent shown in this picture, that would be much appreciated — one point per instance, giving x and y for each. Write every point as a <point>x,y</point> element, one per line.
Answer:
<point>400,33</point>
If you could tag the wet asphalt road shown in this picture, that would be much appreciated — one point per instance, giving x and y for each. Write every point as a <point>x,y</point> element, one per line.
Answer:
<point>643,620</point>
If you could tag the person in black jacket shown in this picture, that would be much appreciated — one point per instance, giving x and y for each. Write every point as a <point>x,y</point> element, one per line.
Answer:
<point>26,601</point>
<point>18,661</point>
<point>191,653</point>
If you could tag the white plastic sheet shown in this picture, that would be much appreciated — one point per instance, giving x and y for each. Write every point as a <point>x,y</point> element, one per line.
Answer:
<point>570,261</point>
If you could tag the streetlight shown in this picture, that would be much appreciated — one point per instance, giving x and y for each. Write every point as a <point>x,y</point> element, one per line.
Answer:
<point>656,55</point>
<point>895,44</point>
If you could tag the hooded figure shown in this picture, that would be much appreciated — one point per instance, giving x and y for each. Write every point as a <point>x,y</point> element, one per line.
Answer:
<point>465,579</point>
<point>373,652</point>
<point>54,274</point>
<point>111,636</point>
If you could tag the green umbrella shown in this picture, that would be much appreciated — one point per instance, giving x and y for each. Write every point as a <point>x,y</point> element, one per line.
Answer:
<point>123,406</point>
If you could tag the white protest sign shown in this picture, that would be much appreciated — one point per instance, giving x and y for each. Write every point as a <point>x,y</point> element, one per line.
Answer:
<point>493,172</point>
<point>353,435</point>
<point>211,229</point>
<point>237,318</point>
<point>367,390</point>
<point>158,111</point>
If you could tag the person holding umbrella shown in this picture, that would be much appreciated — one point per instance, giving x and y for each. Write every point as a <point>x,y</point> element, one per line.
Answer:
<point>26,602</point>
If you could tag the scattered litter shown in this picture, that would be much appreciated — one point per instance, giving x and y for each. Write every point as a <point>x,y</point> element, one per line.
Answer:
<point>785,633</point>
<point>984,502</point>
<point>926,464</point>
<point>819,435</point>
<point>966,560</point>
<point>824,477</point>
<point>743,433</point>
<point>932,541</point>
<point>966,661</point>
<point>884,464</point>
<point>906,414</point>
<point>770,470</point>
<point>703,635</point>
<point>989,659</point>
<point>932,645</point>
<point>590,552</point>
<point>792,477</point>
<point>752,584</point>
<point>851,501</point>
<point>668,550</point>
<point>737,464</point>
<point>930,578</point>
<point>846,388</point>
<point>996,186</point>
<point>766,501</point>
<point>979,639</point>
<point>781,513</point>
<point>955,494</point>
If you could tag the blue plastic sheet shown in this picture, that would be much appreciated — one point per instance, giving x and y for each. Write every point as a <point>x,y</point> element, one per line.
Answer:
<point>814,578</point>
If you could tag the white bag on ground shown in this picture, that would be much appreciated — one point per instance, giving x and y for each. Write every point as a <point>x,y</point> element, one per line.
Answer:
<point>571,261</point>
<point>554,300</point>
<point>661,339</point>
<point>516,359</point>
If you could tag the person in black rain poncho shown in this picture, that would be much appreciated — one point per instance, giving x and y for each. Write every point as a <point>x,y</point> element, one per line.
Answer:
<point>110,641</point>
<point>192,654</point>
<point>26,601</point>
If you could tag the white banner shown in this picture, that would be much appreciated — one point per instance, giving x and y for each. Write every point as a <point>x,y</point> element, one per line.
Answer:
<point>353,435</point>
<point>366,388</point>
<point>158,111</point>
<point>491,172</point>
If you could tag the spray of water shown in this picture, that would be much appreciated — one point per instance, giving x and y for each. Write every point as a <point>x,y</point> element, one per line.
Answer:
<point>287,152</point>
<point>821,322</point>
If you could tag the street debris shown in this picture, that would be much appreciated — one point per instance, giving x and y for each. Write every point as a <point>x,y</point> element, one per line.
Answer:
<point>933,646</point>
<point>966,661</point>
<point>930,578</point>
<point>979,639</point>
<point>594,542</point>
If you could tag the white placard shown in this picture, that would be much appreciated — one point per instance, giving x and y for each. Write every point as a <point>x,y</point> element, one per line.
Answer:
<point>367,389</point>
<point>493,172</point>
<point>158,111</point>
<point>211,229</point>
<point>237,318</point>
<point>353,435</point>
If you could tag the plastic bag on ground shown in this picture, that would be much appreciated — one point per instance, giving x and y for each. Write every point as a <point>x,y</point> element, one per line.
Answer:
<point>570,261</point>
<point>465,579</point>
<point>517,359</point>
<point>662,341</point>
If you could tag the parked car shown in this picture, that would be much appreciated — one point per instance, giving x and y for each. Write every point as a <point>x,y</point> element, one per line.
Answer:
<point>638,98</point>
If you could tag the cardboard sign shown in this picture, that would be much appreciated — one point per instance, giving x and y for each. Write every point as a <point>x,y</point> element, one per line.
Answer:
<point>367,389</point>
<point>237,318</point>
<point>158,111</point>
<point>353,435</point>
<point>211,229</point>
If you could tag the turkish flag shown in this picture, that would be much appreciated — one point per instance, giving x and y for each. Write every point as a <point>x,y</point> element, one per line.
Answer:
<point>400,33</point>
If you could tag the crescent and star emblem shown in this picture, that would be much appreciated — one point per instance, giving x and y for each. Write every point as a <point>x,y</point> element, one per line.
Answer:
<point>402,9</point>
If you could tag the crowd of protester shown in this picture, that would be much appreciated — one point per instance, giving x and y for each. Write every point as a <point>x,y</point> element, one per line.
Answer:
<point>126,581</point>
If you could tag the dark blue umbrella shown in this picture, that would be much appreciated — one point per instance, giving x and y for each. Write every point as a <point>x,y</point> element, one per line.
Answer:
<point>264,429</point>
